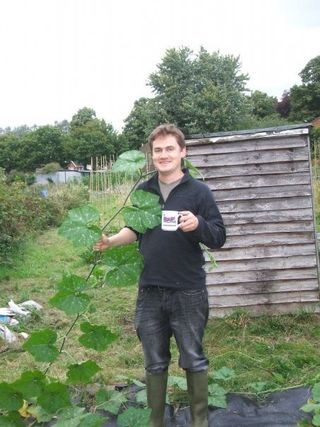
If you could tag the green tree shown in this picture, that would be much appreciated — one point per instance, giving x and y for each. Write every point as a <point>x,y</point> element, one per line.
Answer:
<point>89,137</point>
<point>305,99</point>
<point>262,104</point>
<point>144,117</point>
<point>203,92</point>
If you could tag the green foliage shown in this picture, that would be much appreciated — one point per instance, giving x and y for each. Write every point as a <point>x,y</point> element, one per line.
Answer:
<point>313,406</point>
<point>97,337</point>
<point>50,168</point>
<point>54,397</point>
<point>70,297</point>
<point>10,399</point>
<point>124,265</point>
<point>80,226</point>
<point>134,418</point>
<point>82,373</point>
<point>261,104</point>
<point>129,162</point>
<point>30,384</point>
<point>202,92</point>
<point>145,212</point>
<point>110,401</point>
<point>305,99</point>
<point>41,344</point>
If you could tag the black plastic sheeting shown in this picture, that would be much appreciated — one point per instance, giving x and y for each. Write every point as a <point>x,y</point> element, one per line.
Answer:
<point>280,409</point>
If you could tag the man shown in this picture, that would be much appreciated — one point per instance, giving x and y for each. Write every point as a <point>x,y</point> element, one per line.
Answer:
<point>172,297</point>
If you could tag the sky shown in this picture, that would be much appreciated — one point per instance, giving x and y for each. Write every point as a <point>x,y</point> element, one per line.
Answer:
<point>58,56</point>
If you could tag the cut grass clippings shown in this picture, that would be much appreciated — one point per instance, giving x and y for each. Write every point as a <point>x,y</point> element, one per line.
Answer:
<point>266,353</point>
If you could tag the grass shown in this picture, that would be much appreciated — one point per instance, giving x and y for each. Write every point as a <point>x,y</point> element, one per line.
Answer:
<point>266,353</point>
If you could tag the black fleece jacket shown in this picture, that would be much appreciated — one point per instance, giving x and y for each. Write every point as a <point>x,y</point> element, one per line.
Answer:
<point>174,259</point>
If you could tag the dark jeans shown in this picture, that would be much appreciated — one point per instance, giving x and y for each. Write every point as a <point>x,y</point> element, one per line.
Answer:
<point>161,313</point>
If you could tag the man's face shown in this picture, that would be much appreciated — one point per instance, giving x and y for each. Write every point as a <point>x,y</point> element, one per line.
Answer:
<point>167,155</point>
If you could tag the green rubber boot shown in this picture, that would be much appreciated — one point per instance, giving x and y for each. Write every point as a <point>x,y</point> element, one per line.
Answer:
<point>198,395</point>
<point>156,396</point>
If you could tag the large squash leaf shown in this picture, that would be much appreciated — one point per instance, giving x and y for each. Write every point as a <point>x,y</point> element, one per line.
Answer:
<point>130,161</point>
<point>145,212</point>
<point>97,337</point>
<point>81,226</point>
<point>70,299</point>
<point>41,344</point>
<point>125,265</point>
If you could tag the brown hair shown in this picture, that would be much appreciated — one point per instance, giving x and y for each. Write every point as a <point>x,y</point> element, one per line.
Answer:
<point>167,129</point>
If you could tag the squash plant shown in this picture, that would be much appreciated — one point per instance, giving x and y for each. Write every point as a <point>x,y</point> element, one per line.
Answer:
<point>38,398</point>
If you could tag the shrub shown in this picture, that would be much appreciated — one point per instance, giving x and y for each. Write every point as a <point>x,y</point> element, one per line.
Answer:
<point>24,210</point>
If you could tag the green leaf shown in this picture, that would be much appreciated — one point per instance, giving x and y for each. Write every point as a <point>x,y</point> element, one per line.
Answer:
<point>70,299</point>
<point>81,373</point>
<point>194,172</point>
<point>70,417</point>
<point>54,397</point>
<point>30,384</point>
<point>96,336</point>
<point>80,228</point>
<point>125,265</point>
<point>224,374</point>
<point>110,401</point>
<point>145,212</point>
<point>310,407</point>
<point>92,420</point>
<point>11,420</point>
<point>10,399</point>
<point>70,303</point>
<point>316,392</point>
<point>40,414</point>
<point>179,382</point>
<point>72,283</point>
<point>41,345</point>
<point>131,161</point>
<point>134,418</point>
<point>217,396</point>
<point>316,420</point>
<point>141,397</point>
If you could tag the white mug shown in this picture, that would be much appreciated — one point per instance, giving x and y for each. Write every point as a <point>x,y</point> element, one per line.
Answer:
<point>170,220</point>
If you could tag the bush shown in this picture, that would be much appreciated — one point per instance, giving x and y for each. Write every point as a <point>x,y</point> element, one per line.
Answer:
<point>24,210</point>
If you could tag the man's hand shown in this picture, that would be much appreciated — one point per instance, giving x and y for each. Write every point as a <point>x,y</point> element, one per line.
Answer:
<point>188,221</point>
<point>102,244</point>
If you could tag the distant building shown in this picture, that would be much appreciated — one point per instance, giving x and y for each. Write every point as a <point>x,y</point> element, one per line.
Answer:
<point>74,166</point>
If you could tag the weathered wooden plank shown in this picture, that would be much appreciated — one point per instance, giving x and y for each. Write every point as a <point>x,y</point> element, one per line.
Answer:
<point>263,287</point>
<point>267,309</point>
<point>259,181</point>
<point>264,204</point>
<point>305,214</point>
<point>270,298</point>
<point>269,239</point>
<point>254,169</point>
<point>245,145</point>
<point>251,157</point>
<point>260,275</point>
<point>263,192</point>
<point>225,254</point>
<point>295,261</point>
<point>281,227</point>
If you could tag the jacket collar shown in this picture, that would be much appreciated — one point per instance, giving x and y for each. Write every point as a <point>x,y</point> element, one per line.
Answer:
<point>153,183</point>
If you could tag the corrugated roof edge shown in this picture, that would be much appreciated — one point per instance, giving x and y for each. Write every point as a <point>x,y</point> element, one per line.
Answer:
<point>270,130</point>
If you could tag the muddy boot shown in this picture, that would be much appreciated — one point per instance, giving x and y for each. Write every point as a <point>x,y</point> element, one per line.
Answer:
<point>198,395</point>
<point>156,395</point>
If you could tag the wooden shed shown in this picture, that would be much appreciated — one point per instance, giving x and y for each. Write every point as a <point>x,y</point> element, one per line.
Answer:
<point>262,182</point>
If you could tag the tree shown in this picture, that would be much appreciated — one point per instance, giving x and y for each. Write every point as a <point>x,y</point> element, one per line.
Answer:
<point>202,92</point>
<point>284,105</point>
<point>262,104</point>
<point>305,99</point>
<point>144,117</point>
<point>89,137</point>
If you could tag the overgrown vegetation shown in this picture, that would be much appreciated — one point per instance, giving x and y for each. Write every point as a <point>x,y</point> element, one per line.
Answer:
<point>25,211</point>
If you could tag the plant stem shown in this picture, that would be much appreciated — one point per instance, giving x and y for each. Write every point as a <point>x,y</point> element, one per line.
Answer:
<point>64,340</point>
